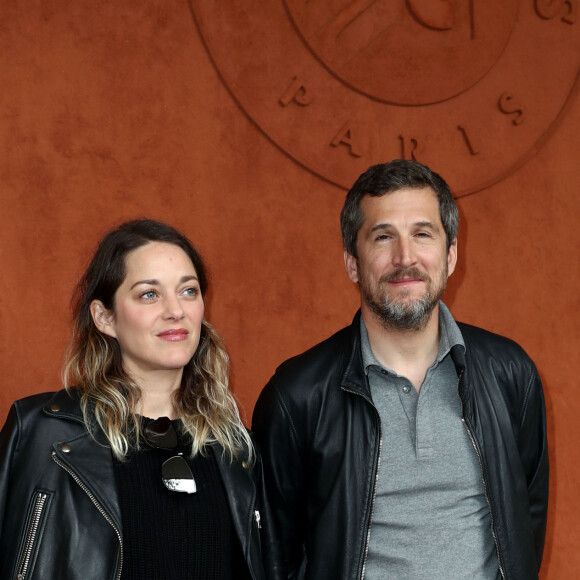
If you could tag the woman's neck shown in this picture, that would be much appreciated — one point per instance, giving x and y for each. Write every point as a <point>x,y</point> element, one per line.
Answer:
<point>157,391</point>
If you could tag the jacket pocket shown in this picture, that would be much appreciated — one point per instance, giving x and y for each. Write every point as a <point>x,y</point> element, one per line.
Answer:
<point>34,527</point>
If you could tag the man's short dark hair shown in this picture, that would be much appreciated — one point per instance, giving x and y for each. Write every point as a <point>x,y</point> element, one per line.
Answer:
<point>384,178</point>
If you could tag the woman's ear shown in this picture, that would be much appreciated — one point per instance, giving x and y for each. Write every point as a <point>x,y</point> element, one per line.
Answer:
<point>103,318</point>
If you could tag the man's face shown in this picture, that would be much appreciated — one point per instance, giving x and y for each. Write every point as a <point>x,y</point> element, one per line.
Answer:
<point>403,263</point>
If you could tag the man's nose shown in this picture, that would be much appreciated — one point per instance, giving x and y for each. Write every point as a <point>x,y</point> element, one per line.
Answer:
<point>404,254</point>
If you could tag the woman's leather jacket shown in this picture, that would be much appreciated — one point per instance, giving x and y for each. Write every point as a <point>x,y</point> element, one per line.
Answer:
<point>320,437</point>
<point>59,509</point>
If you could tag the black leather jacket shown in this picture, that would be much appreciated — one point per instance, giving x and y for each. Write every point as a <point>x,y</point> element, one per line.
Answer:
<point>59,510</point>
<point>320,437</point>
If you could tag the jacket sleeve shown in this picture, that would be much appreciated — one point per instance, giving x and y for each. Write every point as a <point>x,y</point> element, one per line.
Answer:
<point>533,446</point>
<point>8,443</point>
<point>284,474</point>
<point>271,547</point>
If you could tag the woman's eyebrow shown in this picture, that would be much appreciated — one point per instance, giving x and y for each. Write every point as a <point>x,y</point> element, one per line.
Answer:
<point>155,282</point>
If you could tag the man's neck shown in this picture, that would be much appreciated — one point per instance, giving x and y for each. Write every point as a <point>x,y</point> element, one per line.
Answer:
<point>409,353</point>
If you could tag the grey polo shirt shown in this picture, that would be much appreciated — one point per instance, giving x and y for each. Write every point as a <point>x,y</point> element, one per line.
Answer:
<point>430,518</point>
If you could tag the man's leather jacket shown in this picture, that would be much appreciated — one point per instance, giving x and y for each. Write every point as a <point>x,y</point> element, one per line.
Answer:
<point>59,510</point>
<point>320,437</point>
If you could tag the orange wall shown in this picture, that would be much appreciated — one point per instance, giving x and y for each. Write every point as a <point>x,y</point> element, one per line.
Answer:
<point>113,110</point>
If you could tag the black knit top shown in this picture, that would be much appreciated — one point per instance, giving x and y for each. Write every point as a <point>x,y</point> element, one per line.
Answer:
<point>168,535</point>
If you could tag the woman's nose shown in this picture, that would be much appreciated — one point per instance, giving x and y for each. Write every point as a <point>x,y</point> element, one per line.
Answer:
<point>173,308</point>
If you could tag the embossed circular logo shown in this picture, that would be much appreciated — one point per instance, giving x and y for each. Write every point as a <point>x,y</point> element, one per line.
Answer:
<point>470,87</point>
<point>409,53</point>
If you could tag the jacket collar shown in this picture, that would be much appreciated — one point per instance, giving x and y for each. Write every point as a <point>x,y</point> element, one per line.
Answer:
<point>65,404</point>
<point>459,357</point>
<point>89,462</point>
<point>354,378</point>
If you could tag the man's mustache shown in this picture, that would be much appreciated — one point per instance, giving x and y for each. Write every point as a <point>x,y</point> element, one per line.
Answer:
<point>402,273</point>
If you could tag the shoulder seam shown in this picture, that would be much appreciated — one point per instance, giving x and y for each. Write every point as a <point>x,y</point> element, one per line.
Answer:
<point>284,409</point>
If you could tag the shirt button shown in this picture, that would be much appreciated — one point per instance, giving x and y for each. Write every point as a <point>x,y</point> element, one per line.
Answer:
<point>407,389</point>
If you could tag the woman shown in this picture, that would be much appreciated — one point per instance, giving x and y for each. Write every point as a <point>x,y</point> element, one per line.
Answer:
<point>142,469</point>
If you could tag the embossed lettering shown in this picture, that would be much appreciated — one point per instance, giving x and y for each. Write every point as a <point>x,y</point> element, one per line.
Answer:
<point>438,15</point>
<point>345,17</point>
<point>296,92</point>
<point>346,136</point>
<point>435,15</point>
<point>471,19</point>
<point>509,106</point>
<point>470,147</point>
<point>408,147</point>
<point>549,9</point>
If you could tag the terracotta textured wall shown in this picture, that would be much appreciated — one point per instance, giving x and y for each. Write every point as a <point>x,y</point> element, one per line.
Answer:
<point>112,110</point>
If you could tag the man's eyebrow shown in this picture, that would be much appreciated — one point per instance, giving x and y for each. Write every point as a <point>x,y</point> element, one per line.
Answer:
<point>427,224</point>
<point>155,282</point>
<point>383,226</point>
<point>421,224</point>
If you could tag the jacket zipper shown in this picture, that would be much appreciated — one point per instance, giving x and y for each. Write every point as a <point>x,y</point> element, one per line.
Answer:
<point>257,519</point>
<point>485,490</point>
<point>97,505</point>
<point>378,465</point>
<point>37,510</point>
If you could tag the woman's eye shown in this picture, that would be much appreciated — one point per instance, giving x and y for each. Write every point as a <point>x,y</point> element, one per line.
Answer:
<point>149,295</point>
<point>191,291</point>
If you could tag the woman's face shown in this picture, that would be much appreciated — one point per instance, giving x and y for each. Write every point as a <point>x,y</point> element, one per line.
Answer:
<point>158,310</point>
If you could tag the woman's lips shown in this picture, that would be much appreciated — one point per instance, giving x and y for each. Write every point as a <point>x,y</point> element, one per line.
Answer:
<point>174,334</point>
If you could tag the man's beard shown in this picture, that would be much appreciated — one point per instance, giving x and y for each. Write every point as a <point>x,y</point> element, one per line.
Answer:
<point>401,314</point>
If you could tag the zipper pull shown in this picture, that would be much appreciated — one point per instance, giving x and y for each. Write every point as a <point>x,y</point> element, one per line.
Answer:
<point>257,518</point>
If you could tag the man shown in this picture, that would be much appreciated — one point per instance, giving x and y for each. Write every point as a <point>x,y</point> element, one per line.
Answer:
<point>406,446</point>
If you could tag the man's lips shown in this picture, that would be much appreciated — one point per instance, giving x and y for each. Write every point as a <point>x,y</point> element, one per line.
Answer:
<point>403,281</point>
<point>174,334</point>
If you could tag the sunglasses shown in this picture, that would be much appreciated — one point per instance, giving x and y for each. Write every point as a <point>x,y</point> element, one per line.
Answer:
<point>175,472</point>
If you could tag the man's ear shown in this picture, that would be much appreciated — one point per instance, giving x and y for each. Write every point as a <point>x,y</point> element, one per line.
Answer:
<point>103,318</point>
<point>452,257</point>
<point>351,265</point>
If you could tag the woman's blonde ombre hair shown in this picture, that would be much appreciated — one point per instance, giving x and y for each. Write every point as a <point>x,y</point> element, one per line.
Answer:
<point>108,395</point>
